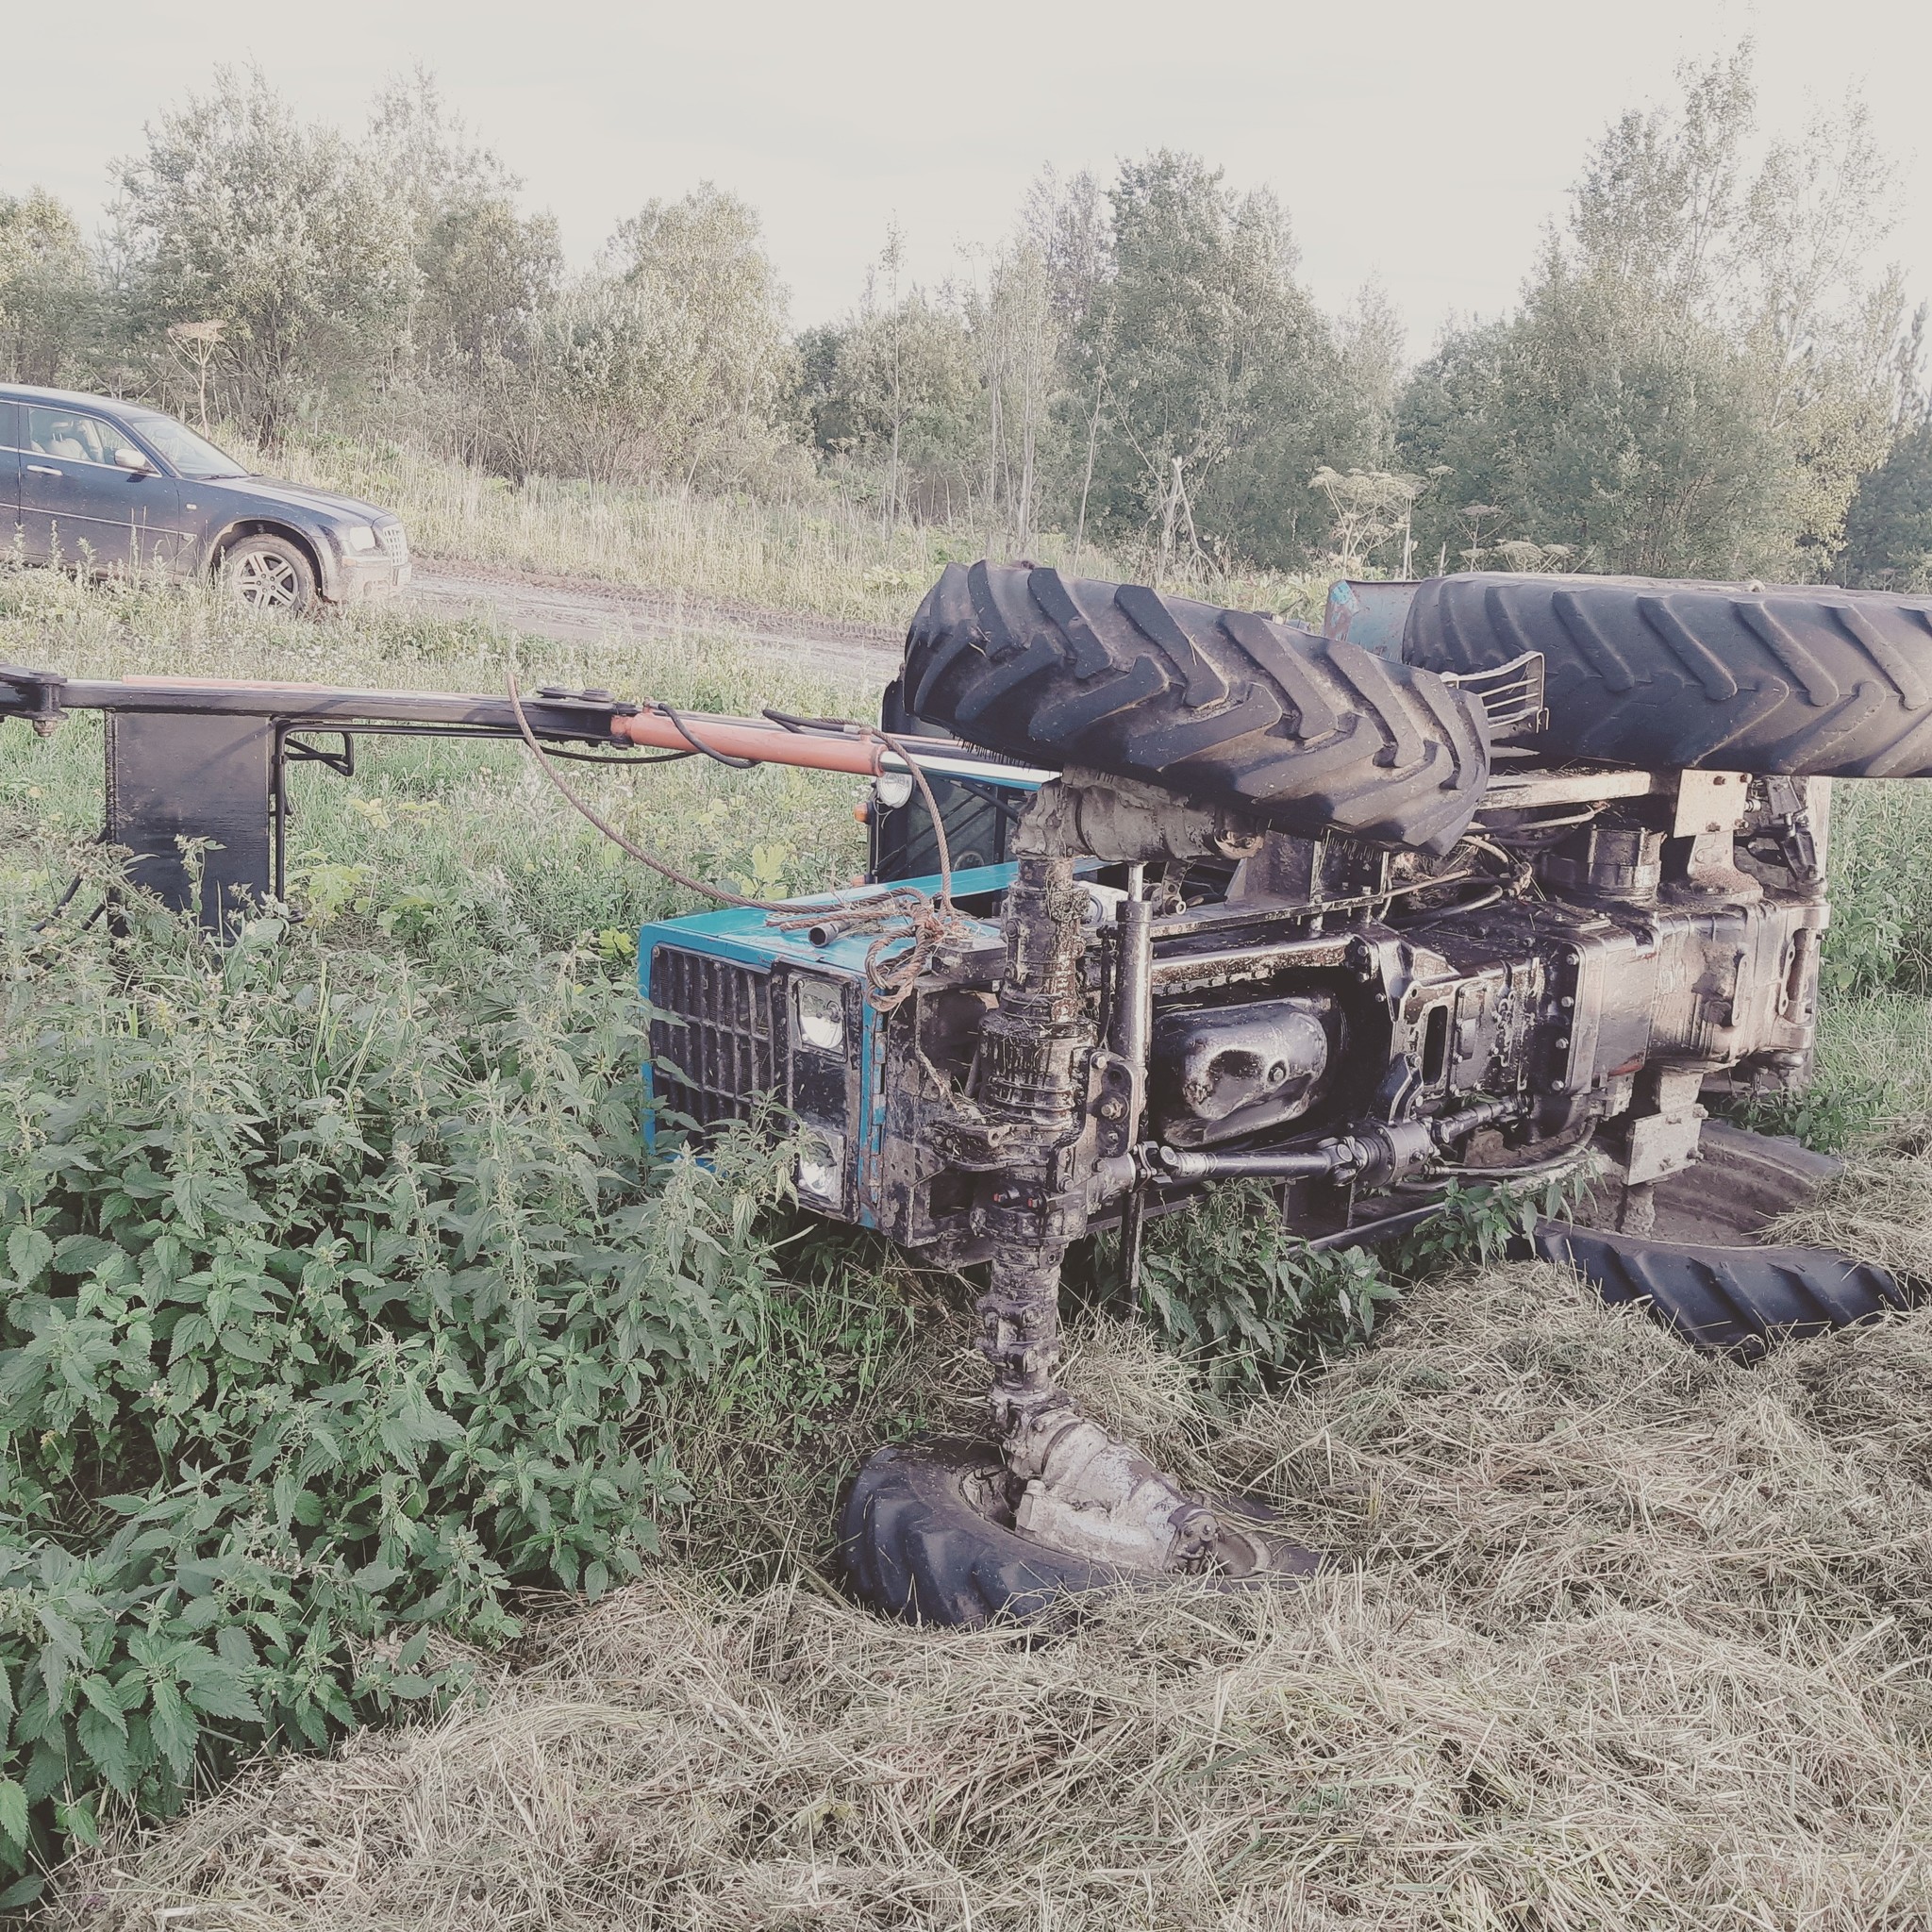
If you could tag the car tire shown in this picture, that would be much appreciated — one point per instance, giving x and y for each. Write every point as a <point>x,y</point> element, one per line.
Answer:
<point>1229,708</point>
<point>921,1539</point>
<point>270,575</point>
<point>1805,681</point>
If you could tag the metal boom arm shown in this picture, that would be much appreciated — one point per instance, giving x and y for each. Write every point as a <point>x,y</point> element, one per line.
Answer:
<point>208,759</point>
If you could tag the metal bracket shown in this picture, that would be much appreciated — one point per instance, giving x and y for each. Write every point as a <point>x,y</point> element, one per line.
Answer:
<point>1118,1103</point>
<point>1510,695</point>
<point>40,697</point>
<point>1709,802</point>
<point>1401,1088</point>
<point>299,751</point>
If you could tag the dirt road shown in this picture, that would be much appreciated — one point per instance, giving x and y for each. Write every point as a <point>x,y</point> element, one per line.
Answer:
<point>576,609</point>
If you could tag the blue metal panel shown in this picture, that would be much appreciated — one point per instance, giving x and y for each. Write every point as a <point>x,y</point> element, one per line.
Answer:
<point>1369,614</point>
<point>738,932</point>
<point>741,934</point>
<point>868,1130</point>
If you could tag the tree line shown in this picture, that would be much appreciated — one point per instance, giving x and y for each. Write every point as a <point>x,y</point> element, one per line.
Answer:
<point>1704,374</point>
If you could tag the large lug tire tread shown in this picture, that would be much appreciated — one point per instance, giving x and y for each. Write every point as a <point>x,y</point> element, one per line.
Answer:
<point>1737,1302</point>
<point>1227,707</point>
<point>1804,681</point>
<point>913,1547</point>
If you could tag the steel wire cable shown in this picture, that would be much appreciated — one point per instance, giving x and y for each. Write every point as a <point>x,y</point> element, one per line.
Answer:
<point>891,977</point>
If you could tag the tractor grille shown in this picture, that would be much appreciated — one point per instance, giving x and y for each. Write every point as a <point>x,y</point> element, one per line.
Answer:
<point>710,1035</point>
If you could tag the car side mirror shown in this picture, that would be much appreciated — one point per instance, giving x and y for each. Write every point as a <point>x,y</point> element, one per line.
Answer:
<point>132,459</point>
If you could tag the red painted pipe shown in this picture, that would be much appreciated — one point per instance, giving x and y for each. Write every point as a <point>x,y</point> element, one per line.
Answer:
<point>770,744</point>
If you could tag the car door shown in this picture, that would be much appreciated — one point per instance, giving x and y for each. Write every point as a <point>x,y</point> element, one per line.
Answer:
<point>9,479</point>
<point>78,505</point>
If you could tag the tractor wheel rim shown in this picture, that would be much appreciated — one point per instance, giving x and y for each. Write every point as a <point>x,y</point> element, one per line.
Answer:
<point>265,582</point>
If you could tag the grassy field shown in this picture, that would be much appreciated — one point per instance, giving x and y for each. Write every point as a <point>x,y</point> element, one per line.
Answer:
<point>1620,1637</point>
<point>822,553</point>
<point>466,848</point>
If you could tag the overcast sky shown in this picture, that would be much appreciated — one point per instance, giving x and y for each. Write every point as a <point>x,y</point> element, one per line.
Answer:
<point>1418,141</point>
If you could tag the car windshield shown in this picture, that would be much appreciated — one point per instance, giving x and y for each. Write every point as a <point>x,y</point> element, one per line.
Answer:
<point>192,455</point>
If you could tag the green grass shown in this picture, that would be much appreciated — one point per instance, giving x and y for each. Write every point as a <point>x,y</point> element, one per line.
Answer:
<point>459,853</point>
<point>1873,1067</point>
<point>339,1303</point>
<point>820,551</point>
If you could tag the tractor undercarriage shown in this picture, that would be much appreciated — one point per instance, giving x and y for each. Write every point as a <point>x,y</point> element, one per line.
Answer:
<point>1353,1056</point>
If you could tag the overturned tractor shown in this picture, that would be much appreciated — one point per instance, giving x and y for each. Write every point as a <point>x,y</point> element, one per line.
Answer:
<point>1490,871</point>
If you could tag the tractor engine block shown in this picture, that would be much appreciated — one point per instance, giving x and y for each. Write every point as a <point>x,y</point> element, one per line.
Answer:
<point>1339,1018</point>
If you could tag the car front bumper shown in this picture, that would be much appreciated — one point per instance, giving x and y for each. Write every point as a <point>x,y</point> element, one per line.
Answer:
<point>371,579</point>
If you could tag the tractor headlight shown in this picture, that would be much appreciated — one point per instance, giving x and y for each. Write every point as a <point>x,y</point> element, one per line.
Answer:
<point>821,1166</point>
<point>820,1007</point>
<point>893,788</point>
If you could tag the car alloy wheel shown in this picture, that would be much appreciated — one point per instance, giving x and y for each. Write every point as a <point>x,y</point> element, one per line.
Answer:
<point>264,581</point>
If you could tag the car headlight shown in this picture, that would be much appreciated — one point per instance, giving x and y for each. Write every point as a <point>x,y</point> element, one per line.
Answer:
<point>360,536</point>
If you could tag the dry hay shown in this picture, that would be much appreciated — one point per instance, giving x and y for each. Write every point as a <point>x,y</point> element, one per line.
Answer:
<point>1622,1636</point>
<point>1879,1209</point>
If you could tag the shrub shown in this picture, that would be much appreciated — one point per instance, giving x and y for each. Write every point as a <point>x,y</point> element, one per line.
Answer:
<point>1227,1286</point>
<point>1251,1306</point>
<point>330,1301</point>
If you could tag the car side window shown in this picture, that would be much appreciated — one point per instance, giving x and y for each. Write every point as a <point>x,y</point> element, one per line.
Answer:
<point>71,436</point>
<point>9,425</point>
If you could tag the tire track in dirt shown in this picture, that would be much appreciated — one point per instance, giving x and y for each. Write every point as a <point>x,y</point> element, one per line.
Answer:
<point>578,611</point>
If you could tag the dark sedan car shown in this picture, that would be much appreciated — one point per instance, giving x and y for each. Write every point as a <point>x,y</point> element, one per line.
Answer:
<point>113,486</point>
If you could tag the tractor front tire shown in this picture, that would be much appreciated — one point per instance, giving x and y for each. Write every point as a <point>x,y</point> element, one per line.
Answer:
<point>1227,708</point>
<point>924,1536</point>
<point>917,1542</point>
<point>1735,1301</point>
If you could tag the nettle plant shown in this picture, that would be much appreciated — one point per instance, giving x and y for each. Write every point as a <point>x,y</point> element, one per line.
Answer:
<point>1250,1305</point>
<point>332,1309</point>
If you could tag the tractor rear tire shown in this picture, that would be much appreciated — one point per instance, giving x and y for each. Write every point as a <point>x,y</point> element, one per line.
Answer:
<point>919,1540</point>
<point>1806,681</point>
<point>1229,708</point>
<point>1738,1302</point>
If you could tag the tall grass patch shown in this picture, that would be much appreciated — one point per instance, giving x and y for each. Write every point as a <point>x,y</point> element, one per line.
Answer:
<point>820,550</point>
<point>340,1302</point>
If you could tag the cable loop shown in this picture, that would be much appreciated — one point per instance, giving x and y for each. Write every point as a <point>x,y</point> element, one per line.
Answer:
<point>890,975</point>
